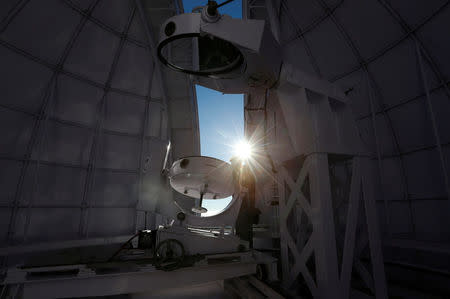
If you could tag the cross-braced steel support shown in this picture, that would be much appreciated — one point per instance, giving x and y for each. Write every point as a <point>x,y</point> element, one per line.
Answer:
<point>327,281</point>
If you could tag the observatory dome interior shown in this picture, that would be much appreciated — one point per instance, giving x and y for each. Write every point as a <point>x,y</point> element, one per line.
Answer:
<point>90,120</point>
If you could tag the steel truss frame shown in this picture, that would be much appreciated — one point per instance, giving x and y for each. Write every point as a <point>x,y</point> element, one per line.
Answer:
<point>329,283</point>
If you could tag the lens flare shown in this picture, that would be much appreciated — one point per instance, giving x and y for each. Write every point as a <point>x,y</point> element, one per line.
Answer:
<point>243,150</point>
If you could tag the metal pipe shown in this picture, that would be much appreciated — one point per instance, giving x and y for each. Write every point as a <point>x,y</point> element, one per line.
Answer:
<point>224,3</point>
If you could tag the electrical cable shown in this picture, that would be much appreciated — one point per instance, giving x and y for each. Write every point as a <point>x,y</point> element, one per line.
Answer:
<point>122,247</point>
<point>212,6</point>
<point>224,3</point>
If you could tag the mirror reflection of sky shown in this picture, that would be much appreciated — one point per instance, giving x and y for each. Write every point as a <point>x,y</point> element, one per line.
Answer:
<point>221,116</point>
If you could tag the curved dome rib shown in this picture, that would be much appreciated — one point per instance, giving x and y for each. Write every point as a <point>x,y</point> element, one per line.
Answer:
<point>84,118</point>
<point>393,42</point>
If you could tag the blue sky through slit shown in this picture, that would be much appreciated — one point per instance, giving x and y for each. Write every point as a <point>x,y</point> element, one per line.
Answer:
<point>221,117</point>
<point>233,9</point>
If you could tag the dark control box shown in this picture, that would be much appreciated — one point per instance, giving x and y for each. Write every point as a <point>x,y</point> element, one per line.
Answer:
<point>147,239</point>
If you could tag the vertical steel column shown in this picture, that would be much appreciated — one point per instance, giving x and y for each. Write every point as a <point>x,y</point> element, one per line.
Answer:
<point>274,19</point>
<point>327,276</point>
<point>245,9</point>
<point>350,228</point>
<point>376,252</point>
<point>283,231</point>
<point>433,119</point>
<point>195,120</point>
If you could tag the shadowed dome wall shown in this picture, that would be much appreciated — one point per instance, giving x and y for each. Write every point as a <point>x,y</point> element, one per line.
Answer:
<point>386,56</point>
<point>86,114</point>
<point>391,58</point>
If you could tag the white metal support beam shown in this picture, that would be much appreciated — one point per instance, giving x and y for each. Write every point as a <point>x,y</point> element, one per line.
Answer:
<point>323,225</point>
<point>350,230</point>
<point>328,282</point>
<point>376,253</point>
<point>274,19</point>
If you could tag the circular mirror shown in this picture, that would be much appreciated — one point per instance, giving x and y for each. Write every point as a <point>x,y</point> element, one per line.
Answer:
<point>200,55</point>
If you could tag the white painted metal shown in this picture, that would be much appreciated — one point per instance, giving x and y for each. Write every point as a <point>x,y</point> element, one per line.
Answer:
<point>376,254</point>
<point>181,109</point>
<point>193,176</point>
<point>201,243</point>
<point>273,18</point>
<point>327,277</point>
<point>319,122</point>
<point>350,230</point>
<point>253,40</point>
<point>324,248</point>
<point>332,39</point>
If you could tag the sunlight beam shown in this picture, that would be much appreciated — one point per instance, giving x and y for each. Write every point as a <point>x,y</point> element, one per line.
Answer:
<point>243,150</point>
